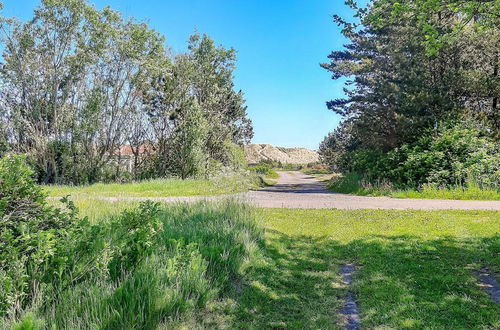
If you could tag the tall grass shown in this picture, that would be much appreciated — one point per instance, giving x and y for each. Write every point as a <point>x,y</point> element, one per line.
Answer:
<point>222,184</point>
<point>353,183</point>
<point>163,274</point>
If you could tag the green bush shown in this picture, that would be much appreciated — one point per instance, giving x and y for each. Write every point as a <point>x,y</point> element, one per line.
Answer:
<point>458,156</point>
<point>235,156</point>
<point>34,237</point>
<point>264,169</point>
<point>316,169</point>
<point>141,269</point>
<point>354,183</point>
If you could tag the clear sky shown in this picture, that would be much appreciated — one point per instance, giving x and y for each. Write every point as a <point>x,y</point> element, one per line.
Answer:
<point>280,44</point>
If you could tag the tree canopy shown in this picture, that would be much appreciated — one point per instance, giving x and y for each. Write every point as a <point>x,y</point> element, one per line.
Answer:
<point>77,83</point>
<point>413,67</point>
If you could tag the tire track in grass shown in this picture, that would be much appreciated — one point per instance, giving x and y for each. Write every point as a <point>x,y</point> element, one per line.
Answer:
<point>350,311</point>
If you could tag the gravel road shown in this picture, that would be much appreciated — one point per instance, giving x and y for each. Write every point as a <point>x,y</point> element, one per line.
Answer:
<point>297,190</point>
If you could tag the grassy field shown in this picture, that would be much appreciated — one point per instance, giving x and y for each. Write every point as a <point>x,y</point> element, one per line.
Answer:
<point>160,187</point>
<point>353,184</point>
<point>415,269</point>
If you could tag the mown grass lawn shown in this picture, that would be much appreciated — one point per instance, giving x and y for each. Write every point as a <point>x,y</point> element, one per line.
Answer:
<point>414,270</point>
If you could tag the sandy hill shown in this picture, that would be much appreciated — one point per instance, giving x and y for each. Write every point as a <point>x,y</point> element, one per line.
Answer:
<point>258,152</point>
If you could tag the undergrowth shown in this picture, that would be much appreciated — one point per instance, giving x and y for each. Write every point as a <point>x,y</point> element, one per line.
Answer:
<point>146,266</point>
<point>353,183</point>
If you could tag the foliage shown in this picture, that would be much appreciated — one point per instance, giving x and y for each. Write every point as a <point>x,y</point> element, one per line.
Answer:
<point>140,268</point>
<point>34,237</point>
<point>399,91</point>
<point>414,68</point>
<point>316,169</point>
<point>235,157</point>
<point>264,169</point>
<point>452,18</point>
<point>78,84</point>
<point>195,100</point>
<point>456,156</point>
<point>187,143</point>
<point>70,85</point>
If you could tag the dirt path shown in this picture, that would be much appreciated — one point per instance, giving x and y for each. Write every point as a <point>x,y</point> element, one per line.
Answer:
<point>297,190</point>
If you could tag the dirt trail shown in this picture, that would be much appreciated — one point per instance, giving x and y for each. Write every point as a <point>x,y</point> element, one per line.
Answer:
<point>297,190</point>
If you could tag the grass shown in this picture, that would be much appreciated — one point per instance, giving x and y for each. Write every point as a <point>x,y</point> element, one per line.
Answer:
<point>352,183</point>
<point>459,193</point>
<point>198,257</point>
<point>415,268</point>
<point>316,171</point>
<point>233,183</point>
<point>97,210</point>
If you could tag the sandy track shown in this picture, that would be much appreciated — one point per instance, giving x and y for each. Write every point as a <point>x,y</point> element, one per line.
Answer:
<point>297,190</point>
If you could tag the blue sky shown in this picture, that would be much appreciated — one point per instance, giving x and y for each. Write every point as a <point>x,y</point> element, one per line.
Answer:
<point>280,44</point>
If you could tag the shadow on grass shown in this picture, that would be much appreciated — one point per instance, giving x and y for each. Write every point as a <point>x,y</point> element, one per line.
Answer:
<point>401,282</point>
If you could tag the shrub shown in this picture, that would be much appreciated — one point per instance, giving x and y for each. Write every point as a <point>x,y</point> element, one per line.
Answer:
<point>140,269</point>
<point>356,184</point>
<point>317,169</point>
<point>33,237</point>
<point>235,157</point>
<point>458,155</point>
<point>264,169</point>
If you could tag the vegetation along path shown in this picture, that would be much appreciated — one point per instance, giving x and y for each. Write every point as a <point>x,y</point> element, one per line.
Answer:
<point>295,189</point>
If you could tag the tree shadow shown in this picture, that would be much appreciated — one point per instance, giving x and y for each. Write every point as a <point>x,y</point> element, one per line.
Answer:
<point>305,188</point>
<point>401,282</point>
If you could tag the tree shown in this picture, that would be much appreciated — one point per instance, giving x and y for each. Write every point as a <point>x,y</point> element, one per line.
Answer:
<point>203,78</point>
<point>413,66</point>
<point>188,141</point>
<point>78,83</point>
<point>213,87</point>
<point>71,81</point>
<point>399,90</point>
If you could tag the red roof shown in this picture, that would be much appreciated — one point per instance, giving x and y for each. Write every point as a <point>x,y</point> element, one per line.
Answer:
<point>127,150</point>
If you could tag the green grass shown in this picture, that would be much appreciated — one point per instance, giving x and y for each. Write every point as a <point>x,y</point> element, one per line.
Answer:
<point>97,210</point>
<point>272,174</point>
<point>460,193</point>
<point>352,183</point>
<point>197,258</point>
<point>232,183</point>
<point>414,268</point>
<point>316,171</point>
